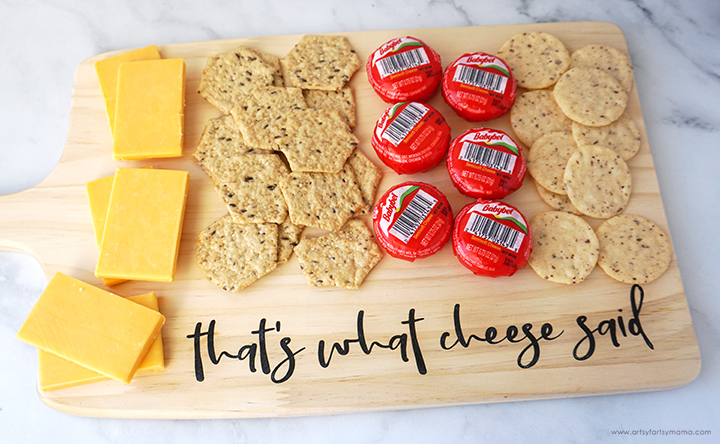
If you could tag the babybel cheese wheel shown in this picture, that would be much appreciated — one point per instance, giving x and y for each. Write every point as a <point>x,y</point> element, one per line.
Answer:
<point>412,220</point>
<point>479,87</point>
<point>404,70</point>
<point>411,137</point>
<point>486,163</point>
<point>491,238</point>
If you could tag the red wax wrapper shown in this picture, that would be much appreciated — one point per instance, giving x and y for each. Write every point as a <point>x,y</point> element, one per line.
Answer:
<point>491,238</point>
<point>412,220</point>
<point>486,163</point>
<point>411,137</point>
<point>479,87</point>
<point>404,70</point>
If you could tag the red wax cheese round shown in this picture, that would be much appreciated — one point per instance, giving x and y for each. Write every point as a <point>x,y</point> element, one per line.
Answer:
<point>479,87</point>
<point>411,137</point>
<point>486,163</point>
<point>412,220</point>
<point>404,70</point>
<point>491,238</point>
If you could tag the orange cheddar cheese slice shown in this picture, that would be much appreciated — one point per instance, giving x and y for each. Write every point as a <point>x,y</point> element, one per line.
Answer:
<point>141,238</point>
<point>107,71</point>
<point>98,192</point>
<point>55,372</point>
<point>91,327</point>
<point>149,112</point>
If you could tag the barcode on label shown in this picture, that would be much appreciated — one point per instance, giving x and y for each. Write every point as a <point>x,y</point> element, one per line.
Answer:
<point>414,214</point>
<point>400,62</point>
<point>481,155</point>
<point>401,126</point>
<point>482,79</point>
<point>494,232</point>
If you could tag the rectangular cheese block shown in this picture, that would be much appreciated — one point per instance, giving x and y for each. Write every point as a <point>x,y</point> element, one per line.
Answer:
<point>107,72</point>
<point>143,225</point>
<point>149,112</point>
<point>91,327</point>
<point>55,372</point>
<point>98,192</point>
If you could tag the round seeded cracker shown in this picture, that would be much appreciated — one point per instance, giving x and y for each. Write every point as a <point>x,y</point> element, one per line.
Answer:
<point>537,59</point>
<point>590,96</point>
<point>534,114</point>
<point>633,250</point>
<point>547,159</point>
<point>557,201</point>
<point>607,59</point>
<point>621,136</point>
<point>598,181</point>
<point>565,247</point>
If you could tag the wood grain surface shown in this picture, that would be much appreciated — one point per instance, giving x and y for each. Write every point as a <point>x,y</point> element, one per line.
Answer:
<point>409,314</point>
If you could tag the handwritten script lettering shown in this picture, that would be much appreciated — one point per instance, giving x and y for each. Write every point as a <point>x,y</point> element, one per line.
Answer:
<point>280,365</point>
<point>511,334</point>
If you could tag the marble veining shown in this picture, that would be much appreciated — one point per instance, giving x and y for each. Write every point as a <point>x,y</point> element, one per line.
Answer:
<point>673,45</point>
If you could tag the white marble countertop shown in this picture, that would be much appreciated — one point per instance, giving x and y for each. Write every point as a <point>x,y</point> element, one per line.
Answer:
<point>673,46</point>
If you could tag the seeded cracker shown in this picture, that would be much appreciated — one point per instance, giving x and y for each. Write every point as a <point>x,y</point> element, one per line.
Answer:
<point>322,200</point>
<point>598,181</point>
<point>274,63</point>
<point>557,201</point>
<point>565,247</point>
<point>607,59</point>
<point>288,238</point>
<point>235,255</point>
<point>261,117</point>
<point>341,100</point>
<point>342,258</point>
<point>537,59</point>
<point>320,62</point>
<point>227,77</point>
<point>590,96</point>
<point>548,158</point>
<point>318,140</point>
<point>367,176</point>
<point>633,250</point>
<point>220,145</point>
<point>621,136</point>
<point>252,194</point>
<point>534,114</point>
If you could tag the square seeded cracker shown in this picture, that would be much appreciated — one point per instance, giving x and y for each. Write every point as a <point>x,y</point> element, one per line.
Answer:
<point>261,117</point>
<point>322,200</point>
<point>252,193</point>
<point>234,255</point>
<point>341,100</point>
<point>318,140</point>
<point>227,77</point>
<point>288,237</point>
<point>342,258</point>
<point>320,62</point>
<point>220,145</point>
<point>367,176</point>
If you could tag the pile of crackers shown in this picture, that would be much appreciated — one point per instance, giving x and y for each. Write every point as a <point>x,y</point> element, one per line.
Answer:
<point>282,157</point>
<point>573,118</point>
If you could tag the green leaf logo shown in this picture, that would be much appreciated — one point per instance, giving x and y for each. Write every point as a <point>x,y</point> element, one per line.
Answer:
<point>498,67</point>
<point>506,145</point>
<point>404,195</point>
<point>394,108</point>
<point>513,220</point>
<point>406,44</point>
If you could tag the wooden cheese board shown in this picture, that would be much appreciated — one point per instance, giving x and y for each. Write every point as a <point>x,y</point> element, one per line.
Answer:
<point>415,335</point>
